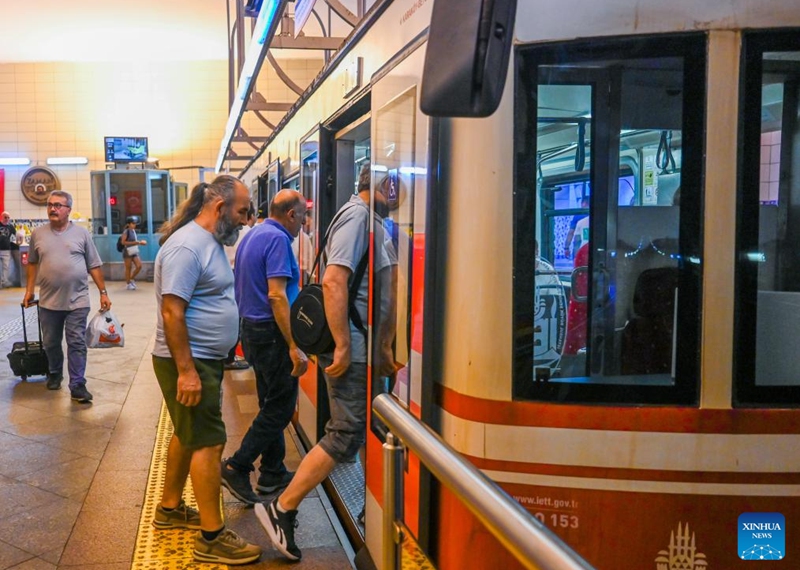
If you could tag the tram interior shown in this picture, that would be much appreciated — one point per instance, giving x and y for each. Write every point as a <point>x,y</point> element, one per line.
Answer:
<point>778,296</point>
<point>622,290</point>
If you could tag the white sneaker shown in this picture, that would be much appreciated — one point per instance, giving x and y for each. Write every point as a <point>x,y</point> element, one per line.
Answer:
<point>133,283</point>
<point>130,286</point>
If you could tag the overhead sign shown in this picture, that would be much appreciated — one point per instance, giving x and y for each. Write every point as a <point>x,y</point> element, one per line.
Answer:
<point>37,183</point>
<point>302,10</point>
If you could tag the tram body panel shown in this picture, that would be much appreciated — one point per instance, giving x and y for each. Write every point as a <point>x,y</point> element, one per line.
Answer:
<point>479,257</point>
<point>556,20</point>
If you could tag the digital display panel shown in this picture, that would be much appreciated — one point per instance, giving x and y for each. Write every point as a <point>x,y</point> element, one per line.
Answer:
<point>126,149</point>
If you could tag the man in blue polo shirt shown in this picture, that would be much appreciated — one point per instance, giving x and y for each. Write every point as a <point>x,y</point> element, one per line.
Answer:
<point>267,283</point>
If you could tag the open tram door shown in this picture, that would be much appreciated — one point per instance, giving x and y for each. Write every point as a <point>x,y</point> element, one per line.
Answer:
<point>400,207</point>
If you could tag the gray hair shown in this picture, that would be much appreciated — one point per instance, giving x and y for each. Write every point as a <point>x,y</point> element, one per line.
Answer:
<point>66,195</point>
<point>223,186</point>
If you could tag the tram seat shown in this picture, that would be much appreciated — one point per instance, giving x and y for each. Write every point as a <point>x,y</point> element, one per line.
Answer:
<point>647,336</point>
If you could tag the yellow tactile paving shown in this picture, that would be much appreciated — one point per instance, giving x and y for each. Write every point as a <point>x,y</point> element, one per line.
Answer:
<point>164,549</point>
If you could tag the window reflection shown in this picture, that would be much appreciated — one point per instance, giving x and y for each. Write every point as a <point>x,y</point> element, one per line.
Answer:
<point>394,174</point>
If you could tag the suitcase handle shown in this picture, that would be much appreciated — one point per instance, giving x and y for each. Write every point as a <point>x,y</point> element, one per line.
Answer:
<point>24,326</point>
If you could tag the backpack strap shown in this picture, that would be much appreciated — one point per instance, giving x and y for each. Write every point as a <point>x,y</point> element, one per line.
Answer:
<point>357,276</point>
<point>354,285</point>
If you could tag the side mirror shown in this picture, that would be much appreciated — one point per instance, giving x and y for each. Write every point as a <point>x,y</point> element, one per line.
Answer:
<point>466,62</point>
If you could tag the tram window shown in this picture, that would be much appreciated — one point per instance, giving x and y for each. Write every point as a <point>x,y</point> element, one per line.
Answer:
<point>768,268</point>
<point>609,164</point>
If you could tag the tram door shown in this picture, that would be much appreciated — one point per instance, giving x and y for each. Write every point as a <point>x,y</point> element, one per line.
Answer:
<point>309,182</point>
<point>400,134</point>
<point>349,148</point>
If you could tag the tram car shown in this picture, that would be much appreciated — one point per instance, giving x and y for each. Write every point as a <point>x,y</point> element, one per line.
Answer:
<point>595,292</point>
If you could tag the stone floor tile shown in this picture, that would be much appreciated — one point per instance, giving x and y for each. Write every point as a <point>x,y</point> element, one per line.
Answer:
<point>64,479</point>
<point>101,537</point>
<point>11,556</point>
<point>42,529</point>
<point>32,457</point>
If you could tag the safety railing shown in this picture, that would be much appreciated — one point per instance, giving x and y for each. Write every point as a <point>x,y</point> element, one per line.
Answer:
<point>533,544</point>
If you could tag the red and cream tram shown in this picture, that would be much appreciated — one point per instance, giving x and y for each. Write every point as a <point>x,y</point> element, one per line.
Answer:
<point>596,295</point>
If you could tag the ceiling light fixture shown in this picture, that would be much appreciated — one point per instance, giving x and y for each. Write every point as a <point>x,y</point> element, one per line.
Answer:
<point>266,24</point>
<point>15,161</point>
<point>63,160</point>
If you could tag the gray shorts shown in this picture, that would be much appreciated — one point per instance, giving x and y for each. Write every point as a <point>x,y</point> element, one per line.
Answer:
<point>346,431</point>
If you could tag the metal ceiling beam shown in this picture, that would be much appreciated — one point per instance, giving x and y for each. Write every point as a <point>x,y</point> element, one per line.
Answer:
<point>343,12</point>
<point>267,23</point>
<point>306,42</point>
<point>258,103</point>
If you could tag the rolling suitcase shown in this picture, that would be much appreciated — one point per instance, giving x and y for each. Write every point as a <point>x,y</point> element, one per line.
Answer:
<point>28,358</point>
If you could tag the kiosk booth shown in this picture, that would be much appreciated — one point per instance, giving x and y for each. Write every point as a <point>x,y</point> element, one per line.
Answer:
<point>148,195</point>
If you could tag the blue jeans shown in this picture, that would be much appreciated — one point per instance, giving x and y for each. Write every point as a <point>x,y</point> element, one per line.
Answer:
<point>56,324</point>
<point>266,350</point>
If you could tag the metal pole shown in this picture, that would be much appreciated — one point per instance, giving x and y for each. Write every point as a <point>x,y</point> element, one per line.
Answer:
<point>392,491</point>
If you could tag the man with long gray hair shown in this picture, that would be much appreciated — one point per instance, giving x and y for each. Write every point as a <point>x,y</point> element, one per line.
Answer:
<point>197,325</point>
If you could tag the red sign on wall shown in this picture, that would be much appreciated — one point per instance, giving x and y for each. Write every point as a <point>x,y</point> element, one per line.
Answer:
<point>133,202</point>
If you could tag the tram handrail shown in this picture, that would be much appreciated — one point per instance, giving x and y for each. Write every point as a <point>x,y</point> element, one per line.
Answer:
<point>532,543</point>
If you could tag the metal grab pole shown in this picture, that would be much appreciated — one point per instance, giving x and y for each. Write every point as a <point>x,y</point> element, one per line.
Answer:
<point>392,499</point>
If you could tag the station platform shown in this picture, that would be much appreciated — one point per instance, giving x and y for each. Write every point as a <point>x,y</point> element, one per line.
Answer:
<point>79,483</point>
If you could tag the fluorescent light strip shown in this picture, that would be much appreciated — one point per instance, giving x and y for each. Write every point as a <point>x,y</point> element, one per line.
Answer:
<point>255,53</point>
<point>15,161</point>
<point>60,160</point>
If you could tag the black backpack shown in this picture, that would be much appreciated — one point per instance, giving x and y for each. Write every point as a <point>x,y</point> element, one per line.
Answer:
<point>310,328</point>
<point>120,247</point>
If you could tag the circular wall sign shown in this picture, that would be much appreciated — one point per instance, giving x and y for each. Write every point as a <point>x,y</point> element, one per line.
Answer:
<point>37,183</point>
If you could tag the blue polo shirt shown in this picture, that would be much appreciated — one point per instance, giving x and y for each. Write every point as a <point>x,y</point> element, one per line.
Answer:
<point>265,252</point>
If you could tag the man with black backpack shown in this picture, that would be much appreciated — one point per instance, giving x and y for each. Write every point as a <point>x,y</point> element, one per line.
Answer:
<point>345,369</point>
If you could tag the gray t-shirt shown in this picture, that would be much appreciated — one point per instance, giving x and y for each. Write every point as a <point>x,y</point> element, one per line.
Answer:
<point>349,239</point>
<point>193,266</point>
<point>64,262</point>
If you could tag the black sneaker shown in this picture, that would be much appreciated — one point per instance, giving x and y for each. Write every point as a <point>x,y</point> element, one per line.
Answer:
<point>81,394</point>
<point>238,483</point>
<point>54,380</point>
<point>279,528</point>
<point>269,483</point>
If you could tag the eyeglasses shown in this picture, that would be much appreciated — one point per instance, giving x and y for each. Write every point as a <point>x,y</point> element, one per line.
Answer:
<point>56,205</point>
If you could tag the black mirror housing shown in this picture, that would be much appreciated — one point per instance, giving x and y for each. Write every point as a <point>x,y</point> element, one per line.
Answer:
<point>466,62</point>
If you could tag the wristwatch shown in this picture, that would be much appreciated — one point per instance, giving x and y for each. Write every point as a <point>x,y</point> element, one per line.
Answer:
<point>103,292</point>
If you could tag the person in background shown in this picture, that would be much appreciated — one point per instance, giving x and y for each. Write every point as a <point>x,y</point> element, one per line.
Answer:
<point>573,230</point>
<point>197,324</point>
<point>130,255</point>
<point>263,212</point>
<point>7,237</point>
<point>233,362</point>
<point>61,257</point>
<point>303,250</point>
<point>267,283</point>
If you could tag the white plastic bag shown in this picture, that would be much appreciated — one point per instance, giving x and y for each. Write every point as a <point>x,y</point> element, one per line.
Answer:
<point>104,331</point>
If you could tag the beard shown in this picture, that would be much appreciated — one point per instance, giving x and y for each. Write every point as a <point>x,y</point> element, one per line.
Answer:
<point>227,231</point>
